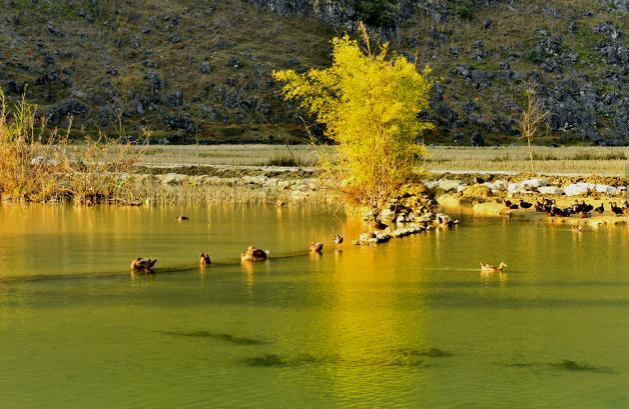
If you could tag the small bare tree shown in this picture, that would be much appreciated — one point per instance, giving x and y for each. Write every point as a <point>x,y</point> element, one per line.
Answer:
<point>533,117</point>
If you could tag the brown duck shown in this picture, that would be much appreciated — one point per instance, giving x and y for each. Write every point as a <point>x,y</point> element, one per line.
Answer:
<point>254,254</point>
<point>204,259</point>
<point>316,247</point>
<point>143,264</point>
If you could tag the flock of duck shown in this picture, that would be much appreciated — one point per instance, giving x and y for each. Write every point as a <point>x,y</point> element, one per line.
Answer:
<point>547,206</point>
<point>252,254</point>
<point>582,210</point>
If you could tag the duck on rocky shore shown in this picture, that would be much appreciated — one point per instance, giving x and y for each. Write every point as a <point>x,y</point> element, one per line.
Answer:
<point>618,211</point>
<point>511,205</point>
<point>600,210</point>
<point>581,207</point>
<point>581,210</point>
<point>378,225</point>
<point>525,205</point>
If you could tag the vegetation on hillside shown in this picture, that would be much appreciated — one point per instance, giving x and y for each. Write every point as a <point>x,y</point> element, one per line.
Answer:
<point>201,70</point>
<point>369,101</point>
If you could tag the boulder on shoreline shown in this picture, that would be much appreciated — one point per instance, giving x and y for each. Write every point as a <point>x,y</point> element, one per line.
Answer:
<point>581,188</point>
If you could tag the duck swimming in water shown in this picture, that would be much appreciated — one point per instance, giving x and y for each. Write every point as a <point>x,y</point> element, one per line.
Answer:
<point>182,218</point>
<point>143,264</point>
<point>488,268</point>
<point>254,254</point>
<point>316,247</point>
<point>338,239</point>
<point>204,259</point>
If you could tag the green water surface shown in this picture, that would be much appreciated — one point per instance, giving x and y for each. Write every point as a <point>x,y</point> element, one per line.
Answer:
<point>410,324</point>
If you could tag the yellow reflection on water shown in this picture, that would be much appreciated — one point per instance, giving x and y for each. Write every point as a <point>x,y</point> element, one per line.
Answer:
<point>363,325</point>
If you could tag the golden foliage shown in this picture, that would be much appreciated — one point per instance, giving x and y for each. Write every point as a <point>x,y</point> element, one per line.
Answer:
<point>369,102</point>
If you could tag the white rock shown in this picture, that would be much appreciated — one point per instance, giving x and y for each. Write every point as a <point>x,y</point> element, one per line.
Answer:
<point>537,182</point>
<point>501,185</point>
<point>173,178</point>
<point>498,185</point>
<point>610,190</point>
<point>431,184</point>
<point>387,214</point>
<point>576,189</point>
<point>513,188</point>
<point>550,190</point>
<point>448,185</point>
<point>401,219</point>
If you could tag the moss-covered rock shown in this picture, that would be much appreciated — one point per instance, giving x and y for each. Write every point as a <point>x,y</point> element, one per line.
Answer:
<point>477,192</point>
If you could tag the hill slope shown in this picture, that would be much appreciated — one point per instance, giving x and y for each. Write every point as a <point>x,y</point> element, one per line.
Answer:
<point>201,69</point>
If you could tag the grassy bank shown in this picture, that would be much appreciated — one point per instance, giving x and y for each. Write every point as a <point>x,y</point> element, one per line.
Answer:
<point>580,160</point>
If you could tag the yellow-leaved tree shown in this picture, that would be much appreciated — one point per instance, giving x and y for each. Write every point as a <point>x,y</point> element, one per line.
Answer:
<point>370,102</point>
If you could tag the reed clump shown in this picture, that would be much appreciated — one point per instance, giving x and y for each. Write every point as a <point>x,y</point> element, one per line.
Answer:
<point>38,164</point>
<point>28,164</point>
<point>98,171</point>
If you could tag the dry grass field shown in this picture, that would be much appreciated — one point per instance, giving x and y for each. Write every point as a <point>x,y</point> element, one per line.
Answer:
<point>236,155</point>
<point>575,160</point>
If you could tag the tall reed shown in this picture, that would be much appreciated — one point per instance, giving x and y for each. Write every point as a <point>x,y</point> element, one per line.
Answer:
<point>37,164</point>
<point>98,171</point>
<point>28,163</point>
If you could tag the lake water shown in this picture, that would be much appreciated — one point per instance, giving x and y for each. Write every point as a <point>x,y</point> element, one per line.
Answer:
<point>409,324</point>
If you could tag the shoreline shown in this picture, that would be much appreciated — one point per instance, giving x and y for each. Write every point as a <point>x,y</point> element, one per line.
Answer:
<point>289,180</point>
<point>267,184</point>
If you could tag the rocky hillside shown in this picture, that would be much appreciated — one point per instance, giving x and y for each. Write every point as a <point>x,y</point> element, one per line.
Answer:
<point>191,70</point>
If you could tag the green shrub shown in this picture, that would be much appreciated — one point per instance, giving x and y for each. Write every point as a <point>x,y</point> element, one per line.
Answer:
<point>533,55</point>
<point>375,13</point>
<point>464,9</point>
